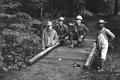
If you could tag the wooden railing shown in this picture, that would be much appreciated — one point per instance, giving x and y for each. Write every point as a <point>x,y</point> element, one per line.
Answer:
<point>32,60</point>
<point>91,57</point>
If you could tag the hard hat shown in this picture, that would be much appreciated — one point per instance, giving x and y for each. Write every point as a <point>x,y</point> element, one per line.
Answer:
<point>79,17</point>
<point>61,18</point>
<point>49,23</point>
<point>101,21</point>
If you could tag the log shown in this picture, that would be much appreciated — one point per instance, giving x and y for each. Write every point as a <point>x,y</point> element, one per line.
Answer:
<point>90,57</point>
<point>42,53</point>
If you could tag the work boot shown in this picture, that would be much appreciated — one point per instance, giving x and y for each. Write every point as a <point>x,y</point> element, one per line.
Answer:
<point>62,42</point>
<point>71,46</point>
<point>101,69</point>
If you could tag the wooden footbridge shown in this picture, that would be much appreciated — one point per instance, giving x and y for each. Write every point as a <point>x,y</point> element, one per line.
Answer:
<point>63,54</point>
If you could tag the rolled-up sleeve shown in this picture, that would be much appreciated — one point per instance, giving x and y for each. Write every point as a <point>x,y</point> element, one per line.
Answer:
<point>110,34</point>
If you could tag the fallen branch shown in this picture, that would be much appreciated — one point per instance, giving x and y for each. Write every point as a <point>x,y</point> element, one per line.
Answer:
<point>42,53</point>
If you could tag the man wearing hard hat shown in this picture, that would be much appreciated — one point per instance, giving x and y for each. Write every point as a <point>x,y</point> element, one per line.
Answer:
<point>104,36</point>
<point>62,30</point>
<point>80,31</point>
<point>49,36</point>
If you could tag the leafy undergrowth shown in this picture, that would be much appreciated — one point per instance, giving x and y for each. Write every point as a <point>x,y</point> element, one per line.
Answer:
<point>19,42</point>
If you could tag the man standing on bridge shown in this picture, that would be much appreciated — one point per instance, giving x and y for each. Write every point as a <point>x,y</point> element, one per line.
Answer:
<point>49,36</point>
<point>104,36</point>
<point>79,31</point>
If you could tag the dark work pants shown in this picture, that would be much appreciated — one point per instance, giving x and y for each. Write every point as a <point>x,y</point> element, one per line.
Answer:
<point>74,36</point>
<point>97,62</point>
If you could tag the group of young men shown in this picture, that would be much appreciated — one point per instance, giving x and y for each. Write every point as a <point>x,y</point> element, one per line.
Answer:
<point>61,32</point>
<point>77,31</point>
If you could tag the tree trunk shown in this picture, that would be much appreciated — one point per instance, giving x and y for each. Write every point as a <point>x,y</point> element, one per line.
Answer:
<point>116,8</point>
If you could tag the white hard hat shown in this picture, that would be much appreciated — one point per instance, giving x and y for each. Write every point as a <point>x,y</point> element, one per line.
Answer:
<point>79,17</point>
<point>101,21</point>
<point>61,18</point>
<point>49,23</point>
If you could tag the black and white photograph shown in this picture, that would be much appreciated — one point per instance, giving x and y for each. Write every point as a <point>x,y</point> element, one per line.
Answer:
<point>59,39</point>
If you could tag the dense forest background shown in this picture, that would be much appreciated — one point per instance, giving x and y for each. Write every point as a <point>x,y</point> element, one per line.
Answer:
<point>40,8</point>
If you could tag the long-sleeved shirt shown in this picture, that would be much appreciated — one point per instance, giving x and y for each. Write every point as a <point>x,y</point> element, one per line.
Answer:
<point>104,36</point>
<point>82,29</point>
<point>78,30</point>
<point>49,38</point>
<point>62,31</point>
